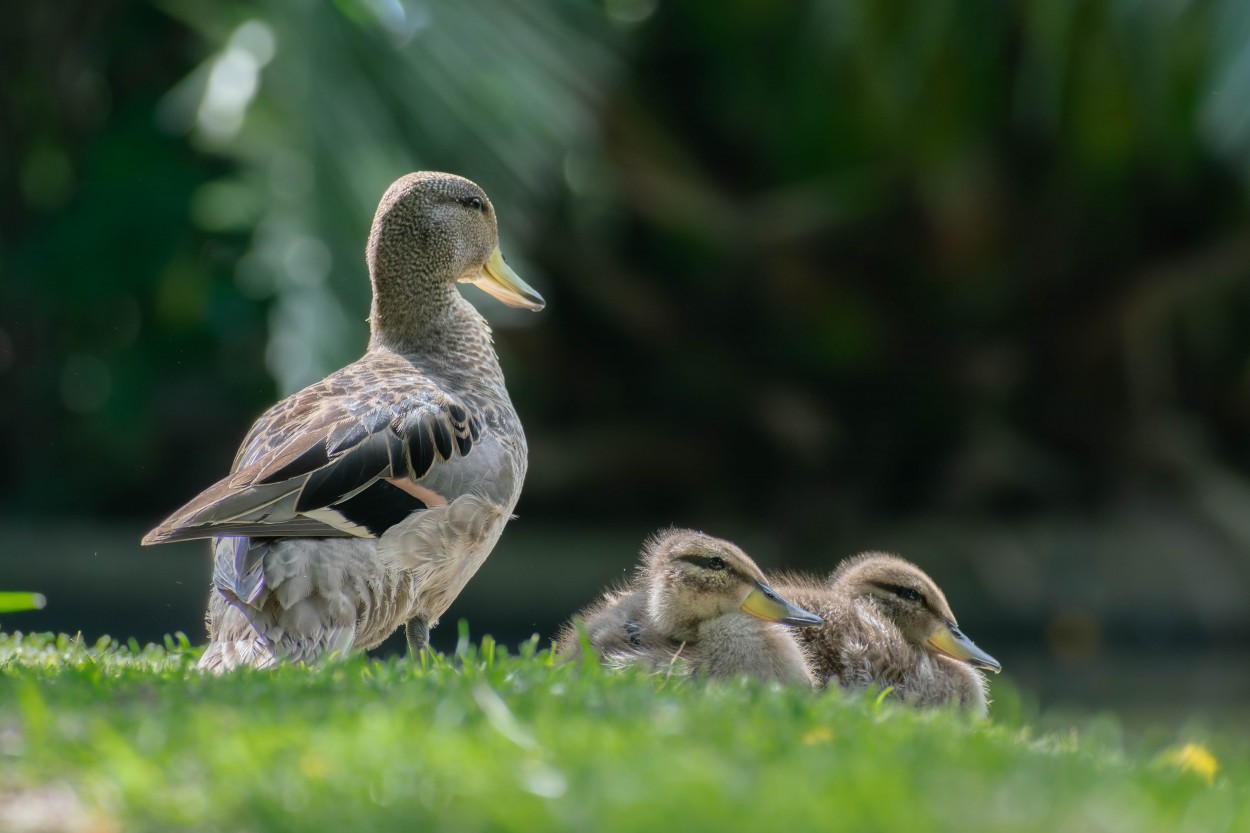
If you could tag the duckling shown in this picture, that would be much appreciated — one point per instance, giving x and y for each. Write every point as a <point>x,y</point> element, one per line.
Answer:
<point>366,501</point>
<point>888,624</point>
<point>701,602</point>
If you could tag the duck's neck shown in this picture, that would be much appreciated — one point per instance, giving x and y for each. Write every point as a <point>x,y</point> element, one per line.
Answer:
<point>681,631</point>
<point>664,610</point>
<point>729,629</point>
<point>430,319</point>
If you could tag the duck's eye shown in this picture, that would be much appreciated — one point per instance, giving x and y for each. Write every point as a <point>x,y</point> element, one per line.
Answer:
<point>908,594</point>
<point>716,563</point>
<point>474,203</point>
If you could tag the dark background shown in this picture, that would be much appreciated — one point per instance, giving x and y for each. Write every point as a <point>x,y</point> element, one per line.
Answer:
<point>966,280</point>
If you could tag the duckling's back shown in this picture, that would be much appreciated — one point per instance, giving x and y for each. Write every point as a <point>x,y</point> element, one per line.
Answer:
<point>616,625</point>
<point>821,644</point>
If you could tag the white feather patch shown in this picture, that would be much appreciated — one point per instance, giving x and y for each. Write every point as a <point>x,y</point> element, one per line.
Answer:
<point>331,517</point>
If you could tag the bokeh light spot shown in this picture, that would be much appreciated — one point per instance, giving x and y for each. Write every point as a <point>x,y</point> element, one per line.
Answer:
<point>224,206</point>
<point>307,261</point>
<point>630,12</point>
<point>233,81</point>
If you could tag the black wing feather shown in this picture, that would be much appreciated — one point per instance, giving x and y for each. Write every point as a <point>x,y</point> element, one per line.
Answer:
<point>355,469</point>
<point>442,436</point>
<point>310,459</point>
<point>346,436</point>
<point>420,450</point>
<point>379,507</point>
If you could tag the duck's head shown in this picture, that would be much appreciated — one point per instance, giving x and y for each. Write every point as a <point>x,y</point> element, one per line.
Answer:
<point>692,578</point>
<point>435,229</point>
<point>908,598</point>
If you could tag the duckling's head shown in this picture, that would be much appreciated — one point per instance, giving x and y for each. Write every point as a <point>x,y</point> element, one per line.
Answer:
<point>692,578</point>
<point>910,600</point>
<point>432,229</point>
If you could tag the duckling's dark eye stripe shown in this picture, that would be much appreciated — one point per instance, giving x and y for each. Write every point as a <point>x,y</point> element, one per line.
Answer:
<point>707,562</point>
<point>908,593</point>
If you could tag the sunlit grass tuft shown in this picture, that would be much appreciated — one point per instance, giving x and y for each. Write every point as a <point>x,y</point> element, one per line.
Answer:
<point>492,739</point>
<point>15,602</point>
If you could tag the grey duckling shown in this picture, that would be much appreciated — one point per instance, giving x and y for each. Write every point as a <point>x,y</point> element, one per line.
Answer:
<point>888,624</point>
<point>699,603</point>
<point>366,501</point>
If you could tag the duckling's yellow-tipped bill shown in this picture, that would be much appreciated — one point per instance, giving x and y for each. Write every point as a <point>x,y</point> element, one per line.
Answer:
<point>499,281</point>
<point>950,640</point>
<point>764,603</point>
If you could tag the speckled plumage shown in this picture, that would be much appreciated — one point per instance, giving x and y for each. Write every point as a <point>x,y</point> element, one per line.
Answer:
<point>367,500</point>
<point>873,637</point>
<point>678,614</point>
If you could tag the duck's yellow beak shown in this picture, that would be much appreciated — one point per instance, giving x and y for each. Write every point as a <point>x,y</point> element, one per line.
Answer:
<point>950,640</point>
<point>499,281</point>
<point>764,603</point>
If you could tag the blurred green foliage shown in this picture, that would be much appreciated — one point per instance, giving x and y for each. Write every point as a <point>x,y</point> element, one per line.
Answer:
<point>123,339</point>
<point>885,256</point>
<point>807,262</point>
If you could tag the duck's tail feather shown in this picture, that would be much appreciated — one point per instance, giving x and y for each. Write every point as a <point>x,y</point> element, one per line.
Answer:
<point>234,641</point>
<point>221,657</point>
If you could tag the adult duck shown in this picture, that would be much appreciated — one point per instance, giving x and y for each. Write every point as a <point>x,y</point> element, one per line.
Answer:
<point>366,501</point>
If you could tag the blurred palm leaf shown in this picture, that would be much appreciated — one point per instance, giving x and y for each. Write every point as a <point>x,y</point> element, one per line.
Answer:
<point>325,104</point>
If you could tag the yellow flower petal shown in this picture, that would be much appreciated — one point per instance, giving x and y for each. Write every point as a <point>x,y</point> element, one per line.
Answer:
<point>314,767</point>
<point>1195,758</point>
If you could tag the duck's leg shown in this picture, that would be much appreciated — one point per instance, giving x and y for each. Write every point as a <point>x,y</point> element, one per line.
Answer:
<point>418,634</point>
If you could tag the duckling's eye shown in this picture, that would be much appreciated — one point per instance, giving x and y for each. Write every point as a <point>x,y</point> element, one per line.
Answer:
<point>473,202</point>
<point>716,563</point>
<point>902,592</point>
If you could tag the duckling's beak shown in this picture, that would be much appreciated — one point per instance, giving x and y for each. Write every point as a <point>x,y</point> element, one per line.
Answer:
<point>764,603</point>
<point>950,640</point>
<point>499,281</point>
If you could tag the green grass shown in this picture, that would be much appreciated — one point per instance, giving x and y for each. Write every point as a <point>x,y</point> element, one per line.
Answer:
<point>123,737</point>
<point>12,602</point>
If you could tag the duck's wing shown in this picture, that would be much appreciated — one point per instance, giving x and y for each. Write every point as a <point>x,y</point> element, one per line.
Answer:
<point>332,461</point>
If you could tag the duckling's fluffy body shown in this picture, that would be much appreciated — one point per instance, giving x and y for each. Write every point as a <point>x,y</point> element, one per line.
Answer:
<point>685,611</point>
<point>367,500</point>
<point>875,635</point>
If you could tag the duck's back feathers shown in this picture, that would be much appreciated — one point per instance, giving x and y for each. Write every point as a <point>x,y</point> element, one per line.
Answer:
<point>318,464</point>
<point>820,643</point>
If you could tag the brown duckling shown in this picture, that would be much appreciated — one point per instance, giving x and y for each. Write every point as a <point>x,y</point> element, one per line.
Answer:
<point>700,603</point>
<point>888,624</point>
